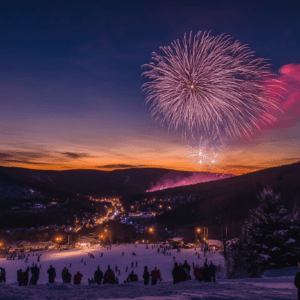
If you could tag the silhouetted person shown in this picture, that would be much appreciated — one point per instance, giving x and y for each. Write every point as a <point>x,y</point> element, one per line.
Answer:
<point>109,276</point>
<point>197,273</point>
<point>176,273</point>
<point>77,278</point>
<point>63,274</point>
<point>68,277</point>
<point>35,273</point>
<point>146,276</point>
<point>98,276</point>
<point>26,277</point>
<point>297,281</point>
<point>206,275</point>
<point>52,274</point>
<point>132,277</point>
<point>155,274</point>
<point>3,275</point>
<point>20,277</point>
<point>212,269</point>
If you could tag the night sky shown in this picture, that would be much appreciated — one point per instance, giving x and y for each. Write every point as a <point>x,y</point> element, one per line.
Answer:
<point>71,81</point>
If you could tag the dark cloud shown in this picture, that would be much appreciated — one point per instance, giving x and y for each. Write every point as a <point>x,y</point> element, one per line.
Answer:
<point>244,167</point>
<point>21,155</point>
<point>29,162</point>
<point>75,155</point>
<point>4,156</point>
<point>283,161</point>
<point>118,166</point>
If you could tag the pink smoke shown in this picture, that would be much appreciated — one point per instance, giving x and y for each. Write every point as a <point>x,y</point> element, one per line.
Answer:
<point>167,181</point>
<point>288,86</point>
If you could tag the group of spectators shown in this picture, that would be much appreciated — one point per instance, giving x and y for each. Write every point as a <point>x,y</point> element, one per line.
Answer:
<point>181,272</point>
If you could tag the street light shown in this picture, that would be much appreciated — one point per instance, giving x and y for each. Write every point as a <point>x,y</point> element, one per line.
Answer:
<point>151,230</point>
<point>198,230</point>
<point>58,239</point>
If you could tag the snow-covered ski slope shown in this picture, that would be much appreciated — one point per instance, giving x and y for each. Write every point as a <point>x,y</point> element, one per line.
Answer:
<point>277,287</point>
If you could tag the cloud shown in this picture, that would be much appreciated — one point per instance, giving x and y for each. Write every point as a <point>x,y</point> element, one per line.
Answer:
<point>4,156</point>
<point>244,167</point>
<point>21,155</point>
<point>119,166</point>
<point>75,155</point>
<point>30,162</point>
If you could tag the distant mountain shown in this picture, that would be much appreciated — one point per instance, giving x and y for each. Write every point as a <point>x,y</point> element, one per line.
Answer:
<point>28,183</point>
<point>225,201</point>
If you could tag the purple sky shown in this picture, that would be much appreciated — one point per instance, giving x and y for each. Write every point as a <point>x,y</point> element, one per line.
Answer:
<point>71,81</point>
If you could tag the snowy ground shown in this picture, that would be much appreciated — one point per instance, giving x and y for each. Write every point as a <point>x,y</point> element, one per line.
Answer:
<point>273,286</point>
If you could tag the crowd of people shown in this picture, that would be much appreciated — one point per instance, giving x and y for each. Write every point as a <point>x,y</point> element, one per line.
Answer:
<point>181,272</point>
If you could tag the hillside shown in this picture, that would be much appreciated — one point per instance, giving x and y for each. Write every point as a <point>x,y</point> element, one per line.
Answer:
<point>17,182</point>
<point>225,201</point>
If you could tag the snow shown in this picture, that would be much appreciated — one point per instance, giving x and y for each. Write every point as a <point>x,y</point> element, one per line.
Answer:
<point>271,286</point>
<point>216,243</point>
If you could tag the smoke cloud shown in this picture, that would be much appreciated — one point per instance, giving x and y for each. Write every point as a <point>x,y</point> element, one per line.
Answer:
<point>169,181</point>
<point>288,86</point>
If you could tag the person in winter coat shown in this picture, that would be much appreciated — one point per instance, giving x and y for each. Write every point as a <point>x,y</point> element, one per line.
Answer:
<point>297,281</point>
<point>176,273</point>
<point>77,278</point>
<point>146,276</point>
<point>63,274</point>
<point>183,274</point>
<point>212,269</point>
<point>52,274</point>
<point>187,266</point>
<point>98,275</point>
<point>132,277</point>
<point>206,275</point>
<point>26,277</point>
<point>197,273</point>
<point>155,274</point>
<point>109,276</point>
<point>68,276</point>
<point>35,274</point>
<point>20,277</point>
<point>3,275</point>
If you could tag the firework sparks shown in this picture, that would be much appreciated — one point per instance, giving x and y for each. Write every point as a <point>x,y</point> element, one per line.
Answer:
<point>210,84</point>
<point>206,154</point>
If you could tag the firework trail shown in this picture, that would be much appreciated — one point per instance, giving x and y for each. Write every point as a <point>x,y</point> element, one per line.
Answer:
<point>210,84</point>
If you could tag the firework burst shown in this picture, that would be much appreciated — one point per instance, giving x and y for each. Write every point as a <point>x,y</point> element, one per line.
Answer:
<point>210,84</point>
